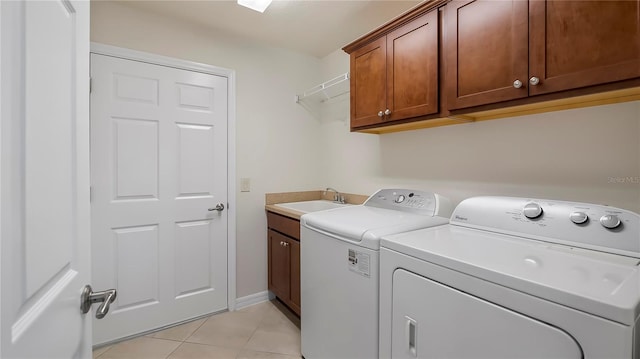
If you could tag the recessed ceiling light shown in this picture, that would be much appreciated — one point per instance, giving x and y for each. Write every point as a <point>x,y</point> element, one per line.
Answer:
<point>257,5</point>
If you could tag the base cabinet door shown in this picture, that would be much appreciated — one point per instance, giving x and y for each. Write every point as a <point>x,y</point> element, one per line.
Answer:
<point>294,296</point>
<point>279,264</point>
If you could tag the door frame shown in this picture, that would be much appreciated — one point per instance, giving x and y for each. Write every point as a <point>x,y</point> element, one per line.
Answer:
<point>154,59</point>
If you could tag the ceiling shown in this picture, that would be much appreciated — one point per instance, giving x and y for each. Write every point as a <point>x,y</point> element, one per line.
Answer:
<point>314,27</point>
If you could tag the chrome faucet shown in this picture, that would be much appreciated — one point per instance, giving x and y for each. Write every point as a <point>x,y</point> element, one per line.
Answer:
<point>337,197</point>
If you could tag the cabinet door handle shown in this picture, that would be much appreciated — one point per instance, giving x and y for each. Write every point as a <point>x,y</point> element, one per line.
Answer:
<point>285,244</point>
<point>380,113</point>
<point>517,84</point>
<point>534,81</point>
<point>387,112</point>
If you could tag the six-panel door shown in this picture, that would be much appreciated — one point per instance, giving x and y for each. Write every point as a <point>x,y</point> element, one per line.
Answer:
<point>159,167</point>
<point>44,179</point>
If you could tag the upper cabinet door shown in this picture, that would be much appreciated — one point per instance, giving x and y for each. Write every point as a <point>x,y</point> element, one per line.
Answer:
<point>582,43</point>
<point>368,84</point>
<point>412,69</point>
<point>486,51</point>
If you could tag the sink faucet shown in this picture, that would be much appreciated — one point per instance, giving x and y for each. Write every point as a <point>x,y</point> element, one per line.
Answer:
<point>337,197</point>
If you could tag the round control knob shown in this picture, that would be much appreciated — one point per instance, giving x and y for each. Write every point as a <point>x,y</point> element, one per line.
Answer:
<point>610,221</point>
<point>532,210</point>
<point>400,198</point>
<point>517,84</point>
<point>579,217</point>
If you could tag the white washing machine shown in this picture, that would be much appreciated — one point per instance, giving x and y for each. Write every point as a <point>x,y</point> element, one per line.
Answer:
<point>339,268</point>
<point>514,278</point>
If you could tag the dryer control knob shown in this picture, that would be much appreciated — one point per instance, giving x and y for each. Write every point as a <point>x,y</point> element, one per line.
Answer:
<point>610,221</point>
<point>579,217</point>
<point>400,198</point>
<point>532,210</point>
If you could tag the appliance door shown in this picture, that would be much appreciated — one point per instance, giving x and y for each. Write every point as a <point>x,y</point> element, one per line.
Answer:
<point>431,320</point>
<point>339,290</point>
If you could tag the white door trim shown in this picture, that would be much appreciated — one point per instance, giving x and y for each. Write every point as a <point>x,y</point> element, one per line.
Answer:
<point>154,59</point>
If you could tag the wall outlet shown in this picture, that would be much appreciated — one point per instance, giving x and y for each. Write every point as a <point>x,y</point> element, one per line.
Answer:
<point>245,184</point>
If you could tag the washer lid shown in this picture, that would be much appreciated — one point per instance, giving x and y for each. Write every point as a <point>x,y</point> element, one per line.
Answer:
<point>365,225</point>
<point>605,285</point>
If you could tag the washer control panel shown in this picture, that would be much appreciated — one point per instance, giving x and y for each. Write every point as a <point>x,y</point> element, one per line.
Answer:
<point>584,225</point>
<point>415,201</point>
<point>533,210</point>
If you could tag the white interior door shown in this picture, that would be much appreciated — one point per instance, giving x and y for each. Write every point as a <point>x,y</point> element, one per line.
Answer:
<point>158,165</point>
<point>44,176</point>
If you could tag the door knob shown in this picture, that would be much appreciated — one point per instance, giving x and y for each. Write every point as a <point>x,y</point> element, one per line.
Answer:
<point>534,81</point>
<point>380,113</point>
<point>88,297</point>
<point>387,112</point>
<point>219,207</point>
<point>517,84</point>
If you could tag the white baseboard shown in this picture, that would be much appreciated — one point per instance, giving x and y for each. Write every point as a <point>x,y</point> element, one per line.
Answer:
<point>252,299</point>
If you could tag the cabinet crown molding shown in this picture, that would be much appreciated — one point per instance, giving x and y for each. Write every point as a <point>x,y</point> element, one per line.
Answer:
<point>402,19</point>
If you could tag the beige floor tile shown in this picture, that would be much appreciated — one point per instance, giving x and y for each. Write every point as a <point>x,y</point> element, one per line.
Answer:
<point>179,332</point>
<point>258,309</point>
<point>142,347</point>
<point>276,321</point>
<point>100,351</point>
<point>250,354</point>
<point>275,342</point>
<point>199,351</point>
<point>229,330</point>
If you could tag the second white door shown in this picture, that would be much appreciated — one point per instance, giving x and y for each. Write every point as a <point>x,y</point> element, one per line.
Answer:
<point>158,171</point>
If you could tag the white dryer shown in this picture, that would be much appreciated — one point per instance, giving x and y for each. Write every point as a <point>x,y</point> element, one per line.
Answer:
<point>339,268</point>
<point>514,278</point>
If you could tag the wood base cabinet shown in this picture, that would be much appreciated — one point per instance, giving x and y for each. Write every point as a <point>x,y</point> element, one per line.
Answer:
<point>284,259</point>
<point>505,50</point>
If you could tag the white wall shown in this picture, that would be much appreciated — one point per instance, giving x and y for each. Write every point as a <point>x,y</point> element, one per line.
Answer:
<point>589,155</point>
<point>278,146</point>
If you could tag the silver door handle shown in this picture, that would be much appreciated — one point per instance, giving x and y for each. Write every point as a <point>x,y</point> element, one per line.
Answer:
<point>88,297</point>
<point>219,207</point>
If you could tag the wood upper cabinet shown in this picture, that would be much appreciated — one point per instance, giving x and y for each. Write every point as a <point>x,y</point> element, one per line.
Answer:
<point>504,50</point>
<point>368,83</point>
<point>486,50</point>
<point>395,77</point>
<point>582,43</point>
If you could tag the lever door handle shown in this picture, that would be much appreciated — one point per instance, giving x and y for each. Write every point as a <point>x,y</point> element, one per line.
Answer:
<point>88,297</point>
<point>219,207</point>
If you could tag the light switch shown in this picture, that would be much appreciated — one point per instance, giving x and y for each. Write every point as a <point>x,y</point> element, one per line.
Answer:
<point>245,184</point>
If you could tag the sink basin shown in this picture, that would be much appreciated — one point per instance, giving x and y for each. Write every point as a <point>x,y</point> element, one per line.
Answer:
<point>311,206</point>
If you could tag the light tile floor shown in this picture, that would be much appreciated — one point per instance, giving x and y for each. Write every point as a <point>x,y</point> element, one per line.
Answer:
<point>265,330</point>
